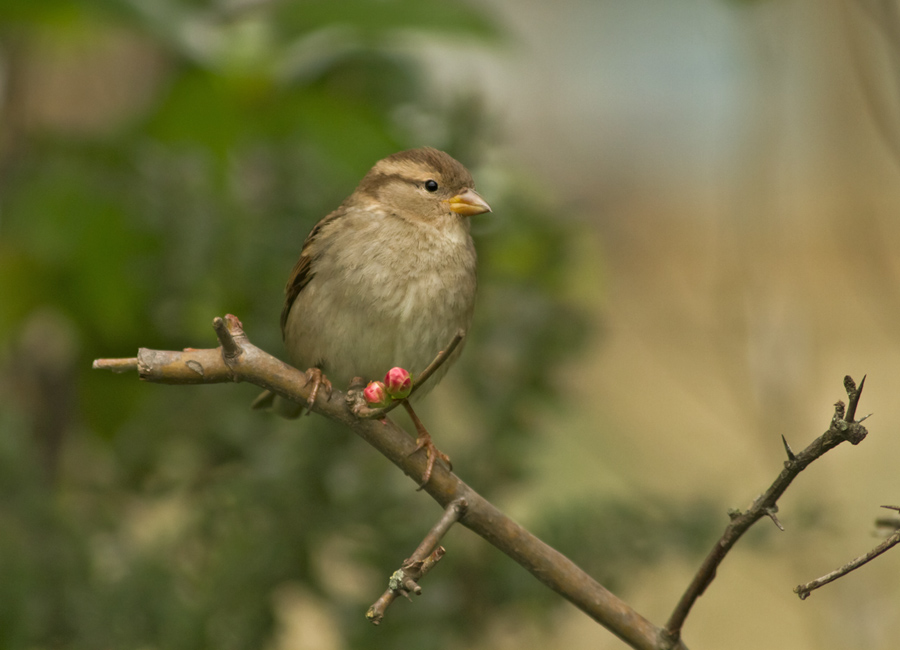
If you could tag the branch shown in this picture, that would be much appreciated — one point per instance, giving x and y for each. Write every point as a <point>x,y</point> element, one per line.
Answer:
<point>843,428</point>
<point>117,366</point>
<point>804,590</point>
<point>406,578</point>
<point>243,361</point>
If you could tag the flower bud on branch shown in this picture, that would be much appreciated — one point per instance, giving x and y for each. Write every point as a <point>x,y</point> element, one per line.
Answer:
<point>376,395</point>
<point>398,383</point>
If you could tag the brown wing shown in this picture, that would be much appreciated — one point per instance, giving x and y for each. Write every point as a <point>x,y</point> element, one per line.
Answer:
<point>302,272</point>
<point>300,277</point>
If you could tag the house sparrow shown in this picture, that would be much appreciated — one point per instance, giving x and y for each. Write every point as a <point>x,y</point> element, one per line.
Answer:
<point>387,279</point>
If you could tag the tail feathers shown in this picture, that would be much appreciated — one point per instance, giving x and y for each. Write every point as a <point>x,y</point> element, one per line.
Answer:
<point>263,401</point>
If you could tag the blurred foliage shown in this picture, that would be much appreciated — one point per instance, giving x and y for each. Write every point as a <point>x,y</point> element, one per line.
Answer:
<point>139,516</point>
<point>583,526</point>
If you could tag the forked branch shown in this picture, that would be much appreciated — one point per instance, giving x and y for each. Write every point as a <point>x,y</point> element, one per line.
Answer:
<point>406,579</point>
<point>843,428</point>
<point>237,359</point>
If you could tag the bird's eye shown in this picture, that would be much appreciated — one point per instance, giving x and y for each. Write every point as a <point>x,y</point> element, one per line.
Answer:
<point>431,185</point>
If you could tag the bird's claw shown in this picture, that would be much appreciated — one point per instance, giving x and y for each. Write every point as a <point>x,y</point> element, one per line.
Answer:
<point>319,380</point>
<point>432,453</point>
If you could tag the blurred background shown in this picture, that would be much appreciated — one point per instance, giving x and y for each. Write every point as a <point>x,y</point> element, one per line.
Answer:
<point>693,240</point>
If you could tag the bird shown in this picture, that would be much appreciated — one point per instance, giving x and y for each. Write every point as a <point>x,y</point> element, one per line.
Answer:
<point>385,280</point>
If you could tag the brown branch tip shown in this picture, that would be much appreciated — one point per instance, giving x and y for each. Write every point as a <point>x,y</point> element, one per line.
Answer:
<point>229,331</point>
<point>117,366</point>
<point>405,580</point>
<point>843,428</point>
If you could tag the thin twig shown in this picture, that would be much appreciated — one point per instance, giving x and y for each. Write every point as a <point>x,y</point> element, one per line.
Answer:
<point>804,590</point>
<point>427,554</point>
<point>438,361</point>
<point>223,328</point>
<point>116,365</point>
<point>364,411</point>
<point>454,511</point>
<point>402,582</point>
<point>853,395</point>
<point>765,505</point>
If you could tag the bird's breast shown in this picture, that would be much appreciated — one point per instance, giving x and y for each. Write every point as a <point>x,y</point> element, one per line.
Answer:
<point>383,296</point>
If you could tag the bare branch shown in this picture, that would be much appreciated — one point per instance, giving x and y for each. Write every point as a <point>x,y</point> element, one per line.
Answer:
<point>804,590</point>
<point>224,328</point>
<point>116,365</point>
<point>765,505</point>
<point>853,395</point>
<point>771,514</point>
<point>552,568</point>
<point>438,361</point>
<point>426,555</point>
<point>403,581</point>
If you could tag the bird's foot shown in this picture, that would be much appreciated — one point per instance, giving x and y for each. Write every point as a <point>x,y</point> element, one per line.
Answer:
<point>423,441</point>
<point>319,380</point>
<point>432,453</point>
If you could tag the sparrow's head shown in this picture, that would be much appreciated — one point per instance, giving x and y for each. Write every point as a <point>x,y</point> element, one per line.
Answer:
<point>424,183</point>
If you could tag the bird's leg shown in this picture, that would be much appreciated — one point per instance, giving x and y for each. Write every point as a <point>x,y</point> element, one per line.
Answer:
<point>423,441</point>
<point>319,379</point>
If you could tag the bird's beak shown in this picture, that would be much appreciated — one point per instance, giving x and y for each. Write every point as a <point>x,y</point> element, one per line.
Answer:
<point>468,204</point>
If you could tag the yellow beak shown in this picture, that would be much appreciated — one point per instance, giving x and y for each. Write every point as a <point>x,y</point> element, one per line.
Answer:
<point>468,204</point>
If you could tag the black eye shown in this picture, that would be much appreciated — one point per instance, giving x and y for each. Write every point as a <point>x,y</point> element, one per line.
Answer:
<point>431,185</point>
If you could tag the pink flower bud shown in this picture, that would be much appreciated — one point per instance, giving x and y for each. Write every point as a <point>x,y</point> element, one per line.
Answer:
<point>376,395</point>
<point>398,383</point>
